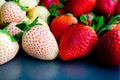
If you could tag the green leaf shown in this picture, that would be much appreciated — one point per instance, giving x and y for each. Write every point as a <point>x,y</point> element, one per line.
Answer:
<point>69,14</point>
<point>24,8</point>
<point>92,26</point>
<point>35,22</point>
<point>106,28</point>
<point>83,19</point>
<point>63,1</point>
<point>18,36</point>
<point>114,19</point>
<point>100,22</point>
<point>13,39</point>
<point>22,25</point>
<point>60,6</point>
<point>56,14</point>
<point>52,8</point>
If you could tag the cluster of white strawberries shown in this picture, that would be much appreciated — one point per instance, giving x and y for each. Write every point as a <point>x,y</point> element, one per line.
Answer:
<point>37,41</point>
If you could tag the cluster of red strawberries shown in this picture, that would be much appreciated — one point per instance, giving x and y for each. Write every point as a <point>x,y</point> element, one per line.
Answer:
<point>72,29</point>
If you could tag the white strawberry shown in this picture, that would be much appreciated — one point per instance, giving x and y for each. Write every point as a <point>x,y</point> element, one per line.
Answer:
<point>44,24</point>
<point>26,19</point>
<point>40,43</point>
<point>12,29</point>
<point>28,3</point>
<point>39,11</point>
<point>2,2</point>
<point>11,12</point>
<point>8,47</point>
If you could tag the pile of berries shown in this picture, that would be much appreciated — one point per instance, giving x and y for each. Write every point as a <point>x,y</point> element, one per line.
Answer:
<point>67,29</point>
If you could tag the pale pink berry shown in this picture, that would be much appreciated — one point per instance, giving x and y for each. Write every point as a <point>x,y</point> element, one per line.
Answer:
<point>12,29</point>
<point>40,43</point>
<point>8,48</point>
<point>11,12</point>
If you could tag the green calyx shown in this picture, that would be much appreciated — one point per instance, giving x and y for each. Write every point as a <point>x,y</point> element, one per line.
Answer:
<point>100,22</point>
<point>63,1</point>
<point>106,27</point>
<point>83,19</point>
<point>96,21</point>
<point>18,3</point>
<point>53,10</point>
<point>11,37</point>
<point>69,14</point>
<point>24,26</point>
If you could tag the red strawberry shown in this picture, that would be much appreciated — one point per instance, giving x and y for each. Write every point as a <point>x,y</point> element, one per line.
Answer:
<point>40,43</point>
<point>108,49</point>
<point>105,7</point>
<point>11,12</point>
<point>60,24</point>
<point>78,41</point>
<point>78,7</point>
<point>117,9</point>
<point>47,3</point>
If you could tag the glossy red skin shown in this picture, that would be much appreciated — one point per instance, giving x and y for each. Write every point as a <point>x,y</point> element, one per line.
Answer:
<point>78,41</point>
<point>117,9</point>
<point>78,7</point>
<point>47,3</point>
<point>60,24</point>
<point>108,49</point>
<point>105,7</point>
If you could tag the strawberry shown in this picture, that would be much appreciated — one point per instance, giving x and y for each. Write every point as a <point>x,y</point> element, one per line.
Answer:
<point>78,41</point>
<point>12,29</point>
<point>105,7</point>
<point>60,24</point>
<point>47,3</point>
<point>26,18</point>
<point>44,24</point>
<point>8,47</point>
<point>28,3</point>
<point>40,11</point>
<point>108,49</point>
<point>2,2</point>
<point>78,7</point>
<point>40,43</point>
<point>11,12</point>
<point>117,9</point>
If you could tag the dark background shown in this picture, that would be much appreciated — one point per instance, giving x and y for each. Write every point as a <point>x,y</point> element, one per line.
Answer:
<point>24,67</point>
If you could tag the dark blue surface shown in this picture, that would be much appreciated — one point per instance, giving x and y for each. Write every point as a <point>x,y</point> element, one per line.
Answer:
<point>24,67</point>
